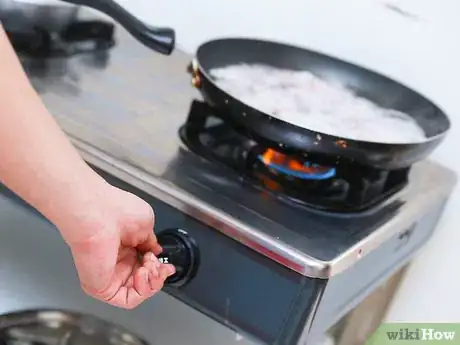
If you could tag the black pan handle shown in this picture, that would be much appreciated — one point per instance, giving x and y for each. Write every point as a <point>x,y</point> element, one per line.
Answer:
<point>161,40</point>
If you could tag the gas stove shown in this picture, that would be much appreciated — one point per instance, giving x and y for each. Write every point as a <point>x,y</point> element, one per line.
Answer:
<point>78,37</point>
<point>272,265</point>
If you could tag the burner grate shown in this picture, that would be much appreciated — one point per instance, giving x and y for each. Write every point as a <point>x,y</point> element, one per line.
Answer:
<point>345,187</point>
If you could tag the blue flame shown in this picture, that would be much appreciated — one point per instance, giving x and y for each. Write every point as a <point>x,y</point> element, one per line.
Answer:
<point>323,175</point>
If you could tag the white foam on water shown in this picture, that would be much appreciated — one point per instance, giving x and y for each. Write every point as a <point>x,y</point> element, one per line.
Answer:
<point>305,100</point>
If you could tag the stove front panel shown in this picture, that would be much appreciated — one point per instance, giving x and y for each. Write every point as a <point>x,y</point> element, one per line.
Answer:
<point>235,285</point>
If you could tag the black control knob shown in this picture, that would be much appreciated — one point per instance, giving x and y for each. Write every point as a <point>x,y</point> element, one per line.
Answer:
<point>180,250</point>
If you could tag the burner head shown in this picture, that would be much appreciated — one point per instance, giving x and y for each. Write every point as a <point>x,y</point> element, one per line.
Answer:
<point>298,178</point>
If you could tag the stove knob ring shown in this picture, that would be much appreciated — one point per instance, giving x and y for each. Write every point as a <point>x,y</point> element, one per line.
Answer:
<point>180,250</point>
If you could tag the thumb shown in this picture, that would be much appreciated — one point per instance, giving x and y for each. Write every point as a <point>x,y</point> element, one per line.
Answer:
<point>150,244</point>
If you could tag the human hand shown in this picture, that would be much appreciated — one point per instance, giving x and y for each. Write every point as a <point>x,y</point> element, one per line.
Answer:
<point>106,238</point>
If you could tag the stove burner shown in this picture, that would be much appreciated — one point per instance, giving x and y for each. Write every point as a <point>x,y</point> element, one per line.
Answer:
<point>298,178</point>
<point>291,167</point>
<point>78,37</point>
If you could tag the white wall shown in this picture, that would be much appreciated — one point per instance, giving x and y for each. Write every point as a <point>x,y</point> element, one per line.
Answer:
<point>421,53</point>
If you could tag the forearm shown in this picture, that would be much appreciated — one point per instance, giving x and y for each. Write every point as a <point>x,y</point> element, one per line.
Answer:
<point>37,161</point>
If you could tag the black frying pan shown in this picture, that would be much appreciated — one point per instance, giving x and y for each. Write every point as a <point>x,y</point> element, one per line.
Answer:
<point>289,138</point>
<point>161,40</point>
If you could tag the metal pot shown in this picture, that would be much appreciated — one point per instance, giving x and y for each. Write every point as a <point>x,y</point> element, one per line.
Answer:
<point>58,327</point>
<point>50,15</point>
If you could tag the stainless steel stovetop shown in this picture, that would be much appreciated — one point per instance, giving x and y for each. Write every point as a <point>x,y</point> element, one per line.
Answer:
<point>123,111</point>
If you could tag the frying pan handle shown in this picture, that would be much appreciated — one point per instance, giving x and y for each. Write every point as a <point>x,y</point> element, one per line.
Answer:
<point>161,40</point>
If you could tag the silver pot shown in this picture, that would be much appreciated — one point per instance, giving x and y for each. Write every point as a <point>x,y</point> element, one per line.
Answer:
<point>59,327</point>
<point>51,15</point>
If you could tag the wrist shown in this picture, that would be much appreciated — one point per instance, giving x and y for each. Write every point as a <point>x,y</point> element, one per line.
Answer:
<point>74,206</point>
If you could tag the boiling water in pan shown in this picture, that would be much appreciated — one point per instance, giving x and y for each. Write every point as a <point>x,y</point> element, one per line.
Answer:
<point>302,99</point>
